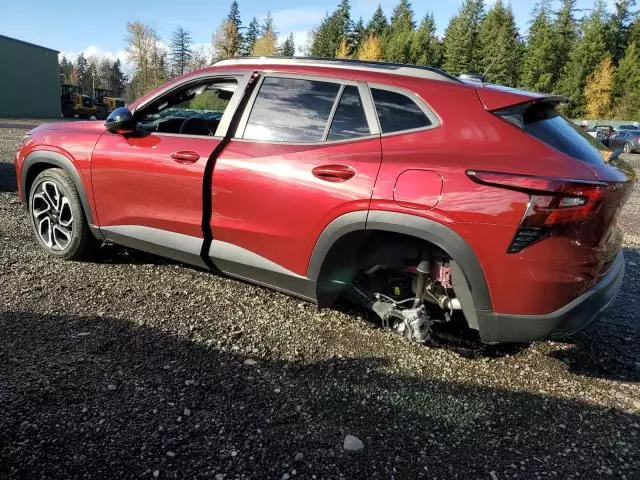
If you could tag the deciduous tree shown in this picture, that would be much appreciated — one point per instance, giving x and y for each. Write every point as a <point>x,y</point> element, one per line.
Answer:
<point>598,90</point>
<point>371,49</point>
<point>225,41</point>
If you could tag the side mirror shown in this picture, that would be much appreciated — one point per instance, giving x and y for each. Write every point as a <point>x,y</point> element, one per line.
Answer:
<point>120,121</point>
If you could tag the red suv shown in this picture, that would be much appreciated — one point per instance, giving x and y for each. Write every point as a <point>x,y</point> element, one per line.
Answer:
<point>419,195</point>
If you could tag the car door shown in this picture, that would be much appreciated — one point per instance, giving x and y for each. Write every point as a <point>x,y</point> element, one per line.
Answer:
<point>307,151</point>
<point>148,185</point>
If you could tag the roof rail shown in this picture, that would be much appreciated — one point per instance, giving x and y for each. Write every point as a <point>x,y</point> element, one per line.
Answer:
<point>386,67</point>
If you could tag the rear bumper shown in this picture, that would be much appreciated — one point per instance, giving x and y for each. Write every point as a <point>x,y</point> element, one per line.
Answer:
<point>576,315</point>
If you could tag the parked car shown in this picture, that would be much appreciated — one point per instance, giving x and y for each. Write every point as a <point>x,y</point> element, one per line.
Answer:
<point>420,196</point>
<point>630,128</point>
<point>601,133</point>
<point>627,140</point>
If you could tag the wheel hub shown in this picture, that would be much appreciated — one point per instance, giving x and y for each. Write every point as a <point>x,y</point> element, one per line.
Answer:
<point>52,216</point>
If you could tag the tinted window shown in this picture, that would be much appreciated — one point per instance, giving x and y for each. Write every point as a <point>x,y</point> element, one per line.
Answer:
<point>291,110</point>
<point>398,112</point>
<point>545,123</point>
<point>349,120</point>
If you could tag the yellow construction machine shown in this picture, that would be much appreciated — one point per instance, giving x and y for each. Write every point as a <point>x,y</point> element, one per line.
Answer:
<point>73,102</point>
<point>106,102</point>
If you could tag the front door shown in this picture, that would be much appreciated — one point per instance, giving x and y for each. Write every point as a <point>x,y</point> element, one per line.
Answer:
<point>307,150</point>
<point>148,186</point>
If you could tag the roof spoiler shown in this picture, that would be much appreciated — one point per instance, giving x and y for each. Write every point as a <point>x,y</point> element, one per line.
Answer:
<point>497,97</point>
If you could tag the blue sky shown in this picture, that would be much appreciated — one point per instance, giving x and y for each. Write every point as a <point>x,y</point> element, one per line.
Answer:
<point>73,26</point>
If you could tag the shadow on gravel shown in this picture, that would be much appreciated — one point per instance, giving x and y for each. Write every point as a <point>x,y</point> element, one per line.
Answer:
<point>610,347</point>
<point>7,177</point>
<point>105,398</point>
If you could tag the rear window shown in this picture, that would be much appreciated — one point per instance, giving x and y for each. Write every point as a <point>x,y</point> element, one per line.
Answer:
<point>545,123</point>
<point>291,110</point>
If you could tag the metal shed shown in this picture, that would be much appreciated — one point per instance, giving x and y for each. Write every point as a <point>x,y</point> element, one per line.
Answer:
<point>29,82</point>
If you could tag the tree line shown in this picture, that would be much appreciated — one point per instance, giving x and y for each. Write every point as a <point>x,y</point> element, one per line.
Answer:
<point>591,56</point>
<point>93,73</point>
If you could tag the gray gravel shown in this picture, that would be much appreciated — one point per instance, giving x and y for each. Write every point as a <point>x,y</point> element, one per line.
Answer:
<point>135,367</point>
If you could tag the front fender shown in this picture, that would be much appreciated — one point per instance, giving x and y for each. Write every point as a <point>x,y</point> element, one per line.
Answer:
<point>46,157</point>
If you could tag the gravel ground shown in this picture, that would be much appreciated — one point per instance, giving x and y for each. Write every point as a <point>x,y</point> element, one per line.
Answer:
<point>134,367</point>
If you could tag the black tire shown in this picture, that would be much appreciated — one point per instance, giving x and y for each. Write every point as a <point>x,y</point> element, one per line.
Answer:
<point>68,233</point>
<point>627,148</point>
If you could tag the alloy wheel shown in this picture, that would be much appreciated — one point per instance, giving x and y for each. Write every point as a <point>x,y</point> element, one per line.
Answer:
<point>52,216</point>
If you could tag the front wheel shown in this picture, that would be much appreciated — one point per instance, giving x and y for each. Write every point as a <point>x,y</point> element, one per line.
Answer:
<point>57,216</point>
<point>627,148</point>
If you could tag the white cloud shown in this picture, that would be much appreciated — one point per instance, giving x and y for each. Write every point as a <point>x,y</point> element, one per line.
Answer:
<point>97,51</point>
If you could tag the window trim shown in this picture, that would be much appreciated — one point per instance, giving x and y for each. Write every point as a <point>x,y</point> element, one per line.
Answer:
<point>422,105</point>
<point>242,78</point>
<point>363,90</point>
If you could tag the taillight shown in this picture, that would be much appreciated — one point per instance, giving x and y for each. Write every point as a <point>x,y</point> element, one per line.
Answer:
<point>552,202</point>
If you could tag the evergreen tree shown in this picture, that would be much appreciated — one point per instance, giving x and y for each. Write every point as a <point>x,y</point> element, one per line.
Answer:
<point>103,79</point>
<point>358,35</point>
<point>83,75</point>
<point>597,90</point>
<point>397,47</point>
<point>371,49</point>
<point>619,26</point>
<point>234,17</point>
<point>332,31</point>
<point>180,51</point>
<point>268,25</point>
<point>564,38</point>
<point>585,56</point>
<point>626,85</point>
<point>499,49</point>
<point>288,48</point>
<point>378,24</point>
<point>250,37</point>
<point>539,58</point>
<point>425,48</point>
<point>66,69</point>
<point>117,79</point>
<point>461,48</point>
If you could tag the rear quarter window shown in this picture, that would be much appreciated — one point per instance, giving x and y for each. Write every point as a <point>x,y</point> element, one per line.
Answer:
<point>397,112</point>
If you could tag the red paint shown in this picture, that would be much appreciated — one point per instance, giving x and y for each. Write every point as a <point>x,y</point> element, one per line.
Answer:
<point>418,189</point>
<point>267,199</point>
<point>275,199</point>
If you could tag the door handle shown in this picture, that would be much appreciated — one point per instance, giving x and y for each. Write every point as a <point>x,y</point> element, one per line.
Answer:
<point>185,156</point>
<point>334,173</point>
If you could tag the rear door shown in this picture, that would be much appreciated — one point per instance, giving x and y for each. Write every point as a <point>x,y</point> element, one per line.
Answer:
<point>307,150</point>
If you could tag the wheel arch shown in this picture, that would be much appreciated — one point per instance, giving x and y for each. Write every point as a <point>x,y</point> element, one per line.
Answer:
<point>346,232</point>
<point>40,160</point>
